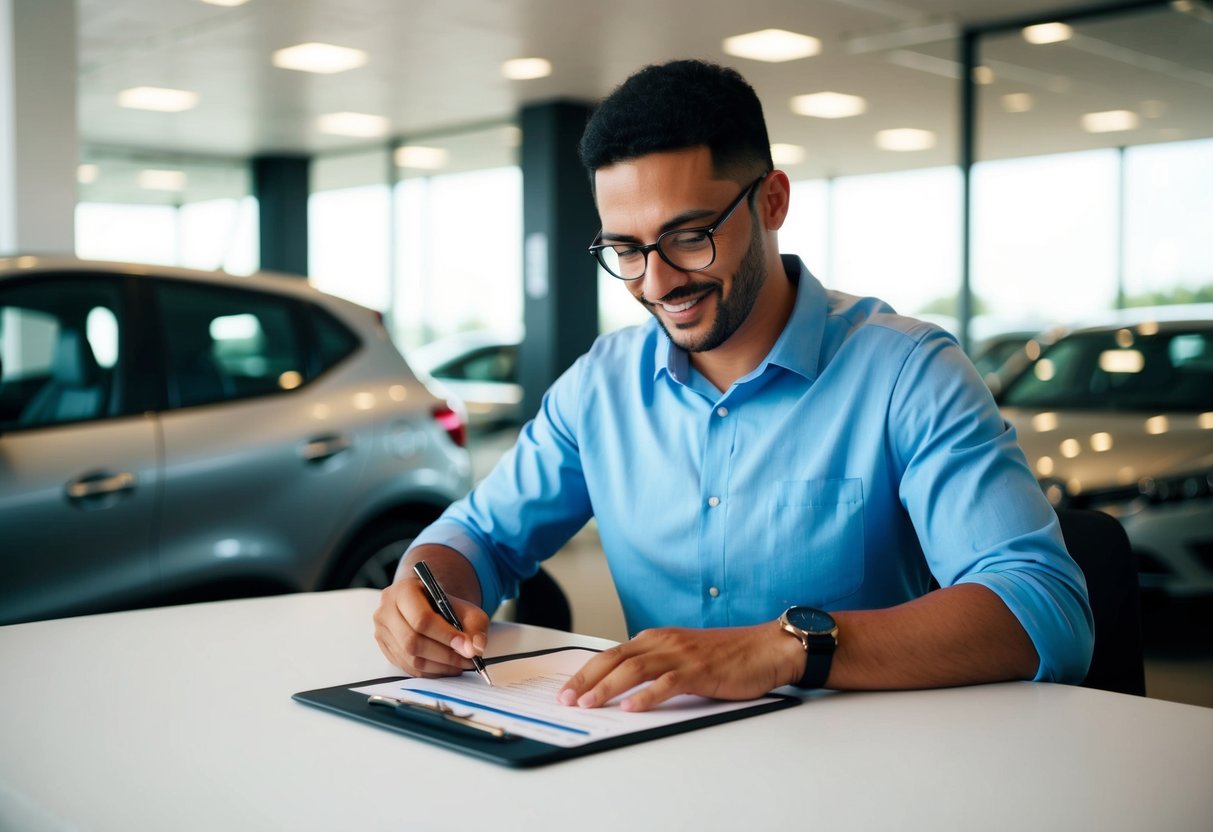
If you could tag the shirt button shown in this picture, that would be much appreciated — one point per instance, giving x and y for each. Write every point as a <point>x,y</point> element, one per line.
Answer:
<point>722,411</point>
<point>713,501</point>
<point>713,591</point>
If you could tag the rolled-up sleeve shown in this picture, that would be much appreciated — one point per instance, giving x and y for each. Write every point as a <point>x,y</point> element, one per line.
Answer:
<point>980,516</point>
<point>528,506</point>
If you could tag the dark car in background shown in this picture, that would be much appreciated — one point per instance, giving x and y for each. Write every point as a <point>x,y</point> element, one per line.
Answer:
<point>170,435</point>
<point>1118,416</point>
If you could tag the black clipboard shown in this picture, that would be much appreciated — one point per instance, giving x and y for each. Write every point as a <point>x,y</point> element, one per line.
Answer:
<point>518,752</point>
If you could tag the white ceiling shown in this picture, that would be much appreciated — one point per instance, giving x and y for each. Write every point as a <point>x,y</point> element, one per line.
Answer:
<point>435,67</point>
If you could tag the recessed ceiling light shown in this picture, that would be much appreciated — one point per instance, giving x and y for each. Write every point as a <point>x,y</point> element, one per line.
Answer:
<point>319,57</point>
<point>162,180</point>
<point>983,75</point>
<point>1018,102</point>
<point>772,45</point>
<point>358,125</point>
<point>159,99</point>
<point>829,105</point>
<point>1047,33</point>
<point>228,3</point>
<point>423,158</point>
<point>526,69</point>
<point>787,154</point>
<point>1110,121</point>
<point>905,139</point>
<point>87,174</point>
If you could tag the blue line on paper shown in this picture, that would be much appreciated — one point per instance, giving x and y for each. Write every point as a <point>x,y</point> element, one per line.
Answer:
<point>480,707</point>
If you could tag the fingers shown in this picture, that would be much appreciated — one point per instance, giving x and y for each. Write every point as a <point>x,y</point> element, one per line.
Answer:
<point>656,665</point>
<point>654,656</point>
<point>418,640</point>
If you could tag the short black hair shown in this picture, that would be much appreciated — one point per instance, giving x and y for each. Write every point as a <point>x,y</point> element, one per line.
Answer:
<point>679,105</point>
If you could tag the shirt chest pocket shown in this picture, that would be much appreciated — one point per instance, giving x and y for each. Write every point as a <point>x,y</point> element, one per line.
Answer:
<point>817,541</point>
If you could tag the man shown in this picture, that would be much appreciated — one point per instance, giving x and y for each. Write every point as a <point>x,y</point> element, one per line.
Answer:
<point>761,451</point>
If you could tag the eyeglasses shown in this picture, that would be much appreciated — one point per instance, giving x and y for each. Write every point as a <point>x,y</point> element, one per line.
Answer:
<point>686,249</point>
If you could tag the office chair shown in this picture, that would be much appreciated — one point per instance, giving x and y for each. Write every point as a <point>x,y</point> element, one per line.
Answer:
<point>1100,547</point>
<point>543,603</point>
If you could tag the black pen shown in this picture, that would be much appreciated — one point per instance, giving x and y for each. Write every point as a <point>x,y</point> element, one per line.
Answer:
<point>443,605</point>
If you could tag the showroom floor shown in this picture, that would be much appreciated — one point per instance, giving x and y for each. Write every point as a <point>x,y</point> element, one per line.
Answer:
<point>1179,638</point>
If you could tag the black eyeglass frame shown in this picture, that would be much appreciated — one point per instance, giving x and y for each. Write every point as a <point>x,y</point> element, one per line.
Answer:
<point>597,248</point>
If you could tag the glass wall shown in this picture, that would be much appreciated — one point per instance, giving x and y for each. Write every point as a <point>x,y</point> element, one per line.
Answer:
<point>349,227</point>
<point>195,213</point>
<point>1094,185</point>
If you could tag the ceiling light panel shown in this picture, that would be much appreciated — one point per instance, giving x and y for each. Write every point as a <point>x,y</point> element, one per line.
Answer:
<point>526,69</point>
<point>324,58</point>
<point>357,125</point>
<point>905,139</point>
<point>228,3</point>
<point>423,158</point>
<point>787,154</point>
<point>162,180</point>
<point>1047,33</point>
<point>829,105</point>
<point>1018,102</point>
<point>158,99</point>
<point>772,45</point>
<point>1110,121</point>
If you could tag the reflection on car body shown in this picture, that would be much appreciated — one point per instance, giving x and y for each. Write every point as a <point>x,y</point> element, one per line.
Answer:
<point>175,435</point>
<point>1119,417</point>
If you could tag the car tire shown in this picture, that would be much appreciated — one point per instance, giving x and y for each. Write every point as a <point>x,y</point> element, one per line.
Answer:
<point>370,561</point>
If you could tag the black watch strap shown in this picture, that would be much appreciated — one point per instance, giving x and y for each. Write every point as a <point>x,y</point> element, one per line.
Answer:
<point>817,662</point>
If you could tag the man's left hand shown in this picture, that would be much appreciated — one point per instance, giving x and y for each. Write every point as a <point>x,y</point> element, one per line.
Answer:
<point>727,663</point>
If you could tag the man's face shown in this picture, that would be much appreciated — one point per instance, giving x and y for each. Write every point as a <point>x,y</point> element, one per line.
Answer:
<point>641,198</point>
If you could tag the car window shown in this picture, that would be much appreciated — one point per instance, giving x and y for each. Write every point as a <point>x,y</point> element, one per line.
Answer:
<point>223,344</point>
<point>1122,370</point>
<point>59,351</point>
<point>487,364</point>
<point>333,341</point>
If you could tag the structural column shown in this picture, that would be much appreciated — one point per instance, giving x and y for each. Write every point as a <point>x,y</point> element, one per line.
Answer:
<point>281,186</point>
<point>560,308</point>
<point>39,143</point>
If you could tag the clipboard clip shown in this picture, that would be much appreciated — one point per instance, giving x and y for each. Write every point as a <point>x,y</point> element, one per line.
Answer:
<point>440,710</point>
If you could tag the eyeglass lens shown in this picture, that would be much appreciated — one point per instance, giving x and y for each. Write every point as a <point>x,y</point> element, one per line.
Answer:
<point>691,250</point>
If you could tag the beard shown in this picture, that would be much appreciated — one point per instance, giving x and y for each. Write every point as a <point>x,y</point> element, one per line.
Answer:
<point>731,311</point>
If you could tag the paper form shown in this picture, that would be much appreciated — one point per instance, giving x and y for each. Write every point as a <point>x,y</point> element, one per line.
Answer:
<point>523,701</point>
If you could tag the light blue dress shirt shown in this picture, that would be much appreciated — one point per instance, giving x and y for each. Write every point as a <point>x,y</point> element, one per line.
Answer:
<point>862,456</point>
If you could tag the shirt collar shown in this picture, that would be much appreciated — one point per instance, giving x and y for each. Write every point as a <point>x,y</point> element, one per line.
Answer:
<point>798,347</point>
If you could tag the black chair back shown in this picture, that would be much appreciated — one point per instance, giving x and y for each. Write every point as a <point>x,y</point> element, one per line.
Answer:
<point>1100,547</point>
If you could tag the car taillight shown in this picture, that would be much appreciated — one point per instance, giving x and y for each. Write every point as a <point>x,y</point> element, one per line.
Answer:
<point>452,423</point>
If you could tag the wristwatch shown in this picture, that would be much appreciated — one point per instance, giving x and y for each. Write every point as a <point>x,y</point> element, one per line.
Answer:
<point>818,634</point>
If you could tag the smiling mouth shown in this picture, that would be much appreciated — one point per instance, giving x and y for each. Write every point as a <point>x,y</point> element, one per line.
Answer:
<point>682,305</point>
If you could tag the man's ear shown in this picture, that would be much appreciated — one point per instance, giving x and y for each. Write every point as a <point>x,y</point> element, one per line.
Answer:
<point>773,201</point>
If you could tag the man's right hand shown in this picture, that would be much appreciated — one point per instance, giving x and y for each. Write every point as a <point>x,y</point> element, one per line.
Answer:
<point>413,636</point>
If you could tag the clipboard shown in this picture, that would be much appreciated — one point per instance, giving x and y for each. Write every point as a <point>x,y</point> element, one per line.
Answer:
<point>432,725</point>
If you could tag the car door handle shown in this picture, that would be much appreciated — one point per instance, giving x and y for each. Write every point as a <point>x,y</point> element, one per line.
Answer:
<point>98,484</point>
<point>324,447</point>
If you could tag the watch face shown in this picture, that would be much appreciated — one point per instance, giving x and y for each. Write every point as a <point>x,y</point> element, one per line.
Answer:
<point>811,620</point>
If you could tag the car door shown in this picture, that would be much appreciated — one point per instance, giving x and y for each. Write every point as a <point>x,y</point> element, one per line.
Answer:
<point>78,470</point>
<point>259,465</point>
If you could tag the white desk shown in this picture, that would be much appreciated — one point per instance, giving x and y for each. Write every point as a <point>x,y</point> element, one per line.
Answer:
<point>181,719</point>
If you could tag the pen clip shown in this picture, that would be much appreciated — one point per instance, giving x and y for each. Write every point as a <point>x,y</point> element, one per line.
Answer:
<point>440,710</point>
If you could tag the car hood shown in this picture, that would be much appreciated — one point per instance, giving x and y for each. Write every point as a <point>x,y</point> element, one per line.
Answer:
<point>1096,450</point>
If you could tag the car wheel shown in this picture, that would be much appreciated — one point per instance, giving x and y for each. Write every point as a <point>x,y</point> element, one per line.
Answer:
<point>372,559</point>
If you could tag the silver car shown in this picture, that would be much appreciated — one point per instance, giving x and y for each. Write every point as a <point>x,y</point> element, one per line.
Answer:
<point>480,369</point>
<point>169,435</point>
<point>1119,417</point>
